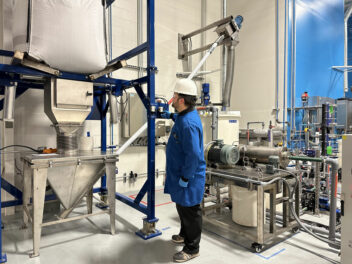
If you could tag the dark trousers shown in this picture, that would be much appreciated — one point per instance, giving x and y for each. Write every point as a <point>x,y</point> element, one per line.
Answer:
<point>191,227</point>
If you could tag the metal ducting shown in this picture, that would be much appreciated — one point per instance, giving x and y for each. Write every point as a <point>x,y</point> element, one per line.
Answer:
<point>230,72</point>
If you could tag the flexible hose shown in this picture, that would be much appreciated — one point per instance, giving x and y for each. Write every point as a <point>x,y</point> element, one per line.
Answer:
<point>295,215</point>
<point>21,146</point>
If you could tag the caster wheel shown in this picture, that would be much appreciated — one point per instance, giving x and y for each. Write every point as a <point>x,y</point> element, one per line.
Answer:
<point>257,247</point>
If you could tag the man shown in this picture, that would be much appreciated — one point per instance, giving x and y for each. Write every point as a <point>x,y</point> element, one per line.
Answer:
<point>185,168</point>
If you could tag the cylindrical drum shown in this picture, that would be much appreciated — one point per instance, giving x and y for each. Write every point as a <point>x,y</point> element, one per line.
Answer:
<point>244,206</point>
<point>261,154</point>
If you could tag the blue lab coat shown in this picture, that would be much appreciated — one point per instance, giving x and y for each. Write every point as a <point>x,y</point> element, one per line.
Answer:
<point>185,158</point>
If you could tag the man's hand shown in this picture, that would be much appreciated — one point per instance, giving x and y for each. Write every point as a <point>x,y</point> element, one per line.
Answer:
<point>183,182</point>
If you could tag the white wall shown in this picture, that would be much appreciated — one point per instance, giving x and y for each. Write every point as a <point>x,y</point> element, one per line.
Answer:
<point>254,86</point>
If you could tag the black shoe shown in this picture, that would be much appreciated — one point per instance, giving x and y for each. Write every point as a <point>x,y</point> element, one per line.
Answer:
<point>177,239</point>
<point>183,256</point>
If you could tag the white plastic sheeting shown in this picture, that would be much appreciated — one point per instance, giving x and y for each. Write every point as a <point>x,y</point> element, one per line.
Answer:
<point>67,35</point>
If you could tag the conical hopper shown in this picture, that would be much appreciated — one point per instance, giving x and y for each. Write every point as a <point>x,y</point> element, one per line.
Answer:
<point>70,183</point>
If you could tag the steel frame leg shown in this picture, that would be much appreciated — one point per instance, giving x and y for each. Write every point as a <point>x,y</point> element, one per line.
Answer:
<point>260,214</point>
<point>39,185</point>
<point>27,190</point>
<point>273,209</point>
<point>285,208</point>
<point>90,201</point>
<point>111,185</point>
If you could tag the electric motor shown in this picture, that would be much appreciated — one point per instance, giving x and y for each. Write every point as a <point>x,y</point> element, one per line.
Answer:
<point>219,153</point>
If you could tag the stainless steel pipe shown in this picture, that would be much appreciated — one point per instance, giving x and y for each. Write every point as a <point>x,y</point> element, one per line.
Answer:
<point>9,103</point>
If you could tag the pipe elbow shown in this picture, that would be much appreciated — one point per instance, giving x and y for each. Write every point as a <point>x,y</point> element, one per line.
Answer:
<point>333,162</point>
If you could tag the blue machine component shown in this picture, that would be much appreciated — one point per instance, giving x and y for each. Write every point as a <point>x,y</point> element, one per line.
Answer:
<point>325,204</point>
<point>205,94</point>
<point>239,20</point>
<point>309,153</point>
<point>10,74</point>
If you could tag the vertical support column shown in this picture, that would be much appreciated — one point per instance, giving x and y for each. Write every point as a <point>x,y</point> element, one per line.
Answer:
<point>27,187</point>
<point>110,175</point>
<point>285,205</point>
<point>317,183</point>
<point>273,209</point>
<point>8,137</point>
<point>218,199</point>
<point>149,230</point>
<point>3,257</point>
<point>90,201</point>
<point>103,139</point>
<point>298,198</point>
<point>39,185</point>
<point>289,51</point>
<point>151,114</point>
<point>323,129</point>
<point>260,214</point>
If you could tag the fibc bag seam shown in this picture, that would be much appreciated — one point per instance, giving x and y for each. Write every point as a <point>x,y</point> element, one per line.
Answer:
<point>103,2</point>
<point>28,20</point>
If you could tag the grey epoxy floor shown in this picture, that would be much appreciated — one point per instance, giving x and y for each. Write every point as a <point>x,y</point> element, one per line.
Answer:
<point>88,241</point>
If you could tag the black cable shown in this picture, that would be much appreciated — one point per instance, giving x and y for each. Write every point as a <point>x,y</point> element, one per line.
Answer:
<point>162,98</point>
<point>22,146</point>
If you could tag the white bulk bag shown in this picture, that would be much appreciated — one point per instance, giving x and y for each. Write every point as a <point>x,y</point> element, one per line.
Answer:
<point>68,35</point>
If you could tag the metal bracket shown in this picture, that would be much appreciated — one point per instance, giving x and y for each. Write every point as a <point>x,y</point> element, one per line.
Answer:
<point>152,108</point>
<point>22,59</point>
<point>108,69</point>
<point>153,69</point>
<point>3,258</point>
<point>149,230</point>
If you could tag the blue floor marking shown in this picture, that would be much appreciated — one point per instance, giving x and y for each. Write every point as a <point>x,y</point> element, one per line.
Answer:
<point>273,255</point>
<point>165,228</point>
<point>267,258</point>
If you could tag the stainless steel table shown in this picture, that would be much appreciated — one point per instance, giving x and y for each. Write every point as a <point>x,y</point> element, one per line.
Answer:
<point>71,178</point>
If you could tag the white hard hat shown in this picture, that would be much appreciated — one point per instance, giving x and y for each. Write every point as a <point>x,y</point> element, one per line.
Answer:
<point>186,86</point>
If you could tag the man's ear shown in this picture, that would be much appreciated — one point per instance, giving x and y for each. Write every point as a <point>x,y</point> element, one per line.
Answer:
<point>182,100</point>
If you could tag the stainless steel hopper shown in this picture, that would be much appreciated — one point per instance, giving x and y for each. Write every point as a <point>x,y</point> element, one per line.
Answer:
<point>70,173</point>
<point>71,183</point>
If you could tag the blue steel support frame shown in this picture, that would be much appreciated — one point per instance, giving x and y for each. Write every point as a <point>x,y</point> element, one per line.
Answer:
<point>11,73</point>
<point>151,115</point>
<point>103,136</point>
<point>150,104</point>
